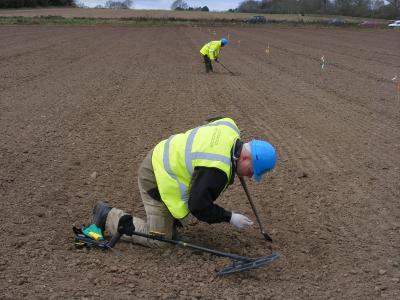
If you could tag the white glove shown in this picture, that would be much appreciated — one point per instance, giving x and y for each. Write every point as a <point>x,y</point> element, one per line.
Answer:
<point>240,221</point>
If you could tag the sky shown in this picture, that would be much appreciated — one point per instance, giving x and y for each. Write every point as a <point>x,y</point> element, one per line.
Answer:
<point>217,5</point>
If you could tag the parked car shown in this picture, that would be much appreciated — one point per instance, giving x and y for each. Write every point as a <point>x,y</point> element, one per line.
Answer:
<point>395,24</point>
<point>368,24</point>
<point>256,20</point>
<point>337,22</point>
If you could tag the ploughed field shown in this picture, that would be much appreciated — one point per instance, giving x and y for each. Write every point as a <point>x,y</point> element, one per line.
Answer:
<point>80,107</point>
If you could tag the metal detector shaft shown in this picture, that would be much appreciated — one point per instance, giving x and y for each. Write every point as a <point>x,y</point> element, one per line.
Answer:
<point>266,235</point>
<point>239,263</point>
<point>192,246</point>
<point>226,68</point>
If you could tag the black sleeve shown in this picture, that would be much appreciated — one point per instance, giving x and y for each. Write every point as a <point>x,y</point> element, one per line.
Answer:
<point>206,185</point>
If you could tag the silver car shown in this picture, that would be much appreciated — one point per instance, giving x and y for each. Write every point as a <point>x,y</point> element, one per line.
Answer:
<point>395,24</point>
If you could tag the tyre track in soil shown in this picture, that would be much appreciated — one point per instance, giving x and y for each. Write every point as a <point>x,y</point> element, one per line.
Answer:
<point>366,67</point>
<point>298,67</point>
<point>375,220</point>
<point>32,40</point>
<point>379,129</point>
<point>18,68</point>
<point>24,102</point>
<point>385,57</point>
<point>82,148</point>
<point>393,160</point>
<point>49,148</point>
<point>371,43</point>
<point>394,190</point>
<point>27,35</point>
<point>235,85</point>
<point>378,72</point>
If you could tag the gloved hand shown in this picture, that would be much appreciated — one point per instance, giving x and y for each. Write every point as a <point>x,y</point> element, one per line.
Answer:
<point>216,60</point>
<point>240,221</point>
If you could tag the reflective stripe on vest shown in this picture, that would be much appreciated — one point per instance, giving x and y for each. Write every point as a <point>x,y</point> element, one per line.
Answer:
<point>167,167</point>
<point>177,210</point>
<point>189,156</point>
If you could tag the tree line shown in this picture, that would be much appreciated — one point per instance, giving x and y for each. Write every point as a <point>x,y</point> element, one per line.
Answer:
<point>125,4</point>
<point>34,3</point>
<point>43,3</point>
<point>389,9</point>
<point>182,5</point>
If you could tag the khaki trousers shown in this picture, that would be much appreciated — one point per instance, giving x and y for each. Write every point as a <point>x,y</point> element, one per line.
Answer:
<point>159,219</point>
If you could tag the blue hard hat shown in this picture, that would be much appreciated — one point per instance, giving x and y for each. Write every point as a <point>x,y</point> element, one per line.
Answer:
<point>224,41</point>
<point>263,157</point>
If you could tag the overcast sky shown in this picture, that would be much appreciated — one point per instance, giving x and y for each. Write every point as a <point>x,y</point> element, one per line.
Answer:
<point>166,4</point>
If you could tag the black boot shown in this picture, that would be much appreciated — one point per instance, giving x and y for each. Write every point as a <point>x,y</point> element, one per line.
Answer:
<point>100,213</point>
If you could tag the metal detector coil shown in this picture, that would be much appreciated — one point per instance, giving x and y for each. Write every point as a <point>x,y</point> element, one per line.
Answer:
<point>248,265</point>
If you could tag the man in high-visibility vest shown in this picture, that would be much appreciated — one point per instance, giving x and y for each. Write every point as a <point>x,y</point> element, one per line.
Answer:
<point>183,175</point>
<point>210,52</point>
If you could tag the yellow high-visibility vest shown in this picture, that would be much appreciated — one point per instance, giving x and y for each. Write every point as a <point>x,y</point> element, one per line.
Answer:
<point>211,49</point>
<point>175,159</point>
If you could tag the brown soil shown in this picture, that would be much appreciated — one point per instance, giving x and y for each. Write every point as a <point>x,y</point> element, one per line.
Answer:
<point>79,100</point>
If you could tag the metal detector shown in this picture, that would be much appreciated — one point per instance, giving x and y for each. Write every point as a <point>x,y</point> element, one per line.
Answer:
<point>239,263</point>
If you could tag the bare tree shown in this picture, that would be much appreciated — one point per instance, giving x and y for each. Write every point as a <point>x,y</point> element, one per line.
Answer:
<point>377,4</point>
<point>362,7</point>
<point>395,4</point>
<point>179,4</point>
<point>324,5</point>
<point>344,6</point>
<point>79,4</point>
<point>119,4</point>
<point>249,6</point>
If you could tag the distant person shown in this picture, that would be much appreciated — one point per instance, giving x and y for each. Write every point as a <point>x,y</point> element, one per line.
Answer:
<point>183,175</point>
<point>210,52</point>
